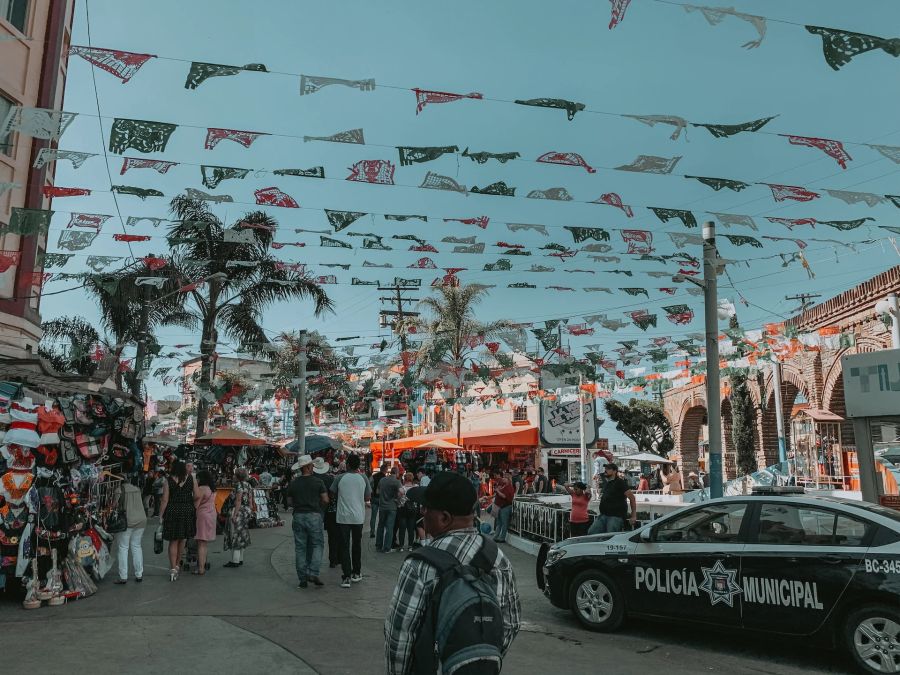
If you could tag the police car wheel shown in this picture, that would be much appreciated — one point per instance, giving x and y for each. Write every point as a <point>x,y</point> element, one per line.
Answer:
<point>872,635</point>
<point>596,601</point>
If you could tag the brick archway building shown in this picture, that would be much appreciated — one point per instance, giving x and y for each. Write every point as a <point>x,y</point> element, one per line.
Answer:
<point>816,375</point>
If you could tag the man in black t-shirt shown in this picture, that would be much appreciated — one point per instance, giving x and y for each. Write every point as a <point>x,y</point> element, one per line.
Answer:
<point>376,479</point>
<point>614,502</point>
<point>307,495</point>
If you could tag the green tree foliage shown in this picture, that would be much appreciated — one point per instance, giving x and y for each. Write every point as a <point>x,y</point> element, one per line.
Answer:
<point>232,297</point>
<point>742,419</point>
<point>644,423</point>
<point>67,343</point>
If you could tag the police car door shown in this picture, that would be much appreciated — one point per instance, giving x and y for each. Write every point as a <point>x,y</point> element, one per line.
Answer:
<point>798,563</point>
<point>690,567</point>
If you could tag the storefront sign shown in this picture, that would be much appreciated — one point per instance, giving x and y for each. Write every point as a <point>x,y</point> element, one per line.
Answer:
<point>890,501</point>
<point>565,452</point>
<point>560,423</point>
<point>872,383</point>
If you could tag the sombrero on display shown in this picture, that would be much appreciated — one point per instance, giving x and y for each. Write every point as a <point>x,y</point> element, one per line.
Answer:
<point>23,427</point>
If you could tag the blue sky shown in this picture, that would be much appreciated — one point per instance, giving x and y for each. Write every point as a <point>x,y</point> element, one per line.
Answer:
<point>660,61</point>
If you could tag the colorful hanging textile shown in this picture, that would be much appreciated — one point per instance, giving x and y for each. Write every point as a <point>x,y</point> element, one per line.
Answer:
<point>721,183</point>
<point>272,196</point>
<point>314,172</point>
<point>378,171</point>
<point>617,12</point>
<point>349,136</point>
<point>36,122</point>
<point>499,189</point>
<point>729,219</point>
<point>310,84</point>
<point>715,15</point>
<point>419,155</point>
<point>798,194</point>
<point>53,191</point>
<point>834,149</point>
<point>480,221</point>
<point>482,157</point>
<point>245,138</point>
<point>642,318</point>
<point>143,193</point>
<point>213,175</point>
<point>840,46</point>
<point>665,215</point>
<point>571,107</point>
<point>94,221</point>
<point>157,165</point>
<point>567,158</point>
<point>434,181</point>
<point>47,155</point>
<point>426,96</point>
<point>725,130</point>
<point>342,219</point>
<point>123,65</point>
<point>200,72</point>
<point>651,164</point>
<point>142,135</point>
<point>559,194</point>
<point>679,123</point>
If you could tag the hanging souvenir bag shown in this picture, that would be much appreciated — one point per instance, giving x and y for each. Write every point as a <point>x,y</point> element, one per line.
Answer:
<point>89,447</point>
<point>97,407</point>
<point>116,521</point>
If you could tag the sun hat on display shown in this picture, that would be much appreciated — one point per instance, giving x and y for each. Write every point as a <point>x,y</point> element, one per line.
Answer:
<point>23,428</point>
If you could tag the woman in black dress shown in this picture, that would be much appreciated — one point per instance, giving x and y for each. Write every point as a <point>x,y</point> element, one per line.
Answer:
<point>179,518</point>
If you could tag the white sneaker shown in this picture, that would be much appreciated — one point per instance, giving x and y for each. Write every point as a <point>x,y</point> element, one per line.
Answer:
<point>356,578</point>
<point>345,582</point>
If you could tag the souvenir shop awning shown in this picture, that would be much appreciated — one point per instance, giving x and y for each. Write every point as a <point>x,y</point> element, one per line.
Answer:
<point>229,436</point>
<point>819,415</point>
<point>480,438</point>
<point>40,380</point>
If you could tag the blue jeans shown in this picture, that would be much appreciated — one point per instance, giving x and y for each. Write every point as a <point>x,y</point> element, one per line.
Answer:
<point>373,519</point>
<point>501,523</point>
<point>385,536</point>
<point>309,542</point>
<point>603,524</point>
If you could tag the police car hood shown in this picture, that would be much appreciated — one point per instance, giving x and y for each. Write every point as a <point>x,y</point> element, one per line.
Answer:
<point>592,538</point>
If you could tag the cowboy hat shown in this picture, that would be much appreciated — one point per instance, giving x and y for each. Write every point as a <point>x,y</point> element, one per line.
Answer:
<point>320,465</point>
<point>300,463</point>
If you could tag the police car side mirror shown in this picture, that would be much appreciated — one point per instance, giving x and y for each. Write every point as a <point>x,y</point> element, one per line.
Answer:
<point>647,534</point>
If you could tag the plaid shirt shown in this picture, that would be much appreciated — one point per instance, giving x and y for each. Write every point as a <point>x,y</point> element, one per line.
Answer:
<point>415,586</point>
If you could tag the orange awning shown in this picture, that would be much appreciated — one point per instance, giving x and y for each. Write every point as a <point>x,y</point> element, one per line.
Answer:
<point>519,436</point>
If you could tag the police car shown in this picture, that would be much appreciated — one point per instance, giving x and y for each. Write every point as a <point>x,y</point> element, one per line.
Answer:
<point>793,565</point>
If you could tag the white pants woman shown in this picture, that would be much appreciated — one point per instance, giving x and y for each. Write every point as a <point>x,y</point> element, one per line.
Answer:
<point>130,539</point>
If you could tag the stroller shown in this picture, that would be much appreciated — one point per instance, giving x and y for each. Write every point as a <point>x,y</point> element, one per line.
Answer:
<point>189,561</point>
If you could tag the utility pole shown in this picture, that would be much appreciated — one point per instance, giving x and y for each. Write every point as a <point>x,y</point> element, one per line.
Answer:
<point>711,314</point>
<point>779,410</point>
<point>300,423</point>
<point>142,339</point>
<point>806,300</point>
<point>397,324</point>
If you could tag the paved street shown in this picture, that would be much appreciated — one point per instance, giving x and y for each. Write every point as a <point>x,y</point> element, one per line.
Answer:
<point>255,620</point>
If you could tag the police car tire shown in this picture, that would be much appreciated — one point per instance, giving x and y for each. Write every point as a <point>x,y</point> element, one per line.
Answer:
<point>858,616</point>
<point>616,611</point>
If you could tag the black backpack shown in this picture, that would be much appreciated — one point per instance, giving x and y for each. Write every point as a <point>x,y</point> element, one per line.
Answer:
<point>462,628</point>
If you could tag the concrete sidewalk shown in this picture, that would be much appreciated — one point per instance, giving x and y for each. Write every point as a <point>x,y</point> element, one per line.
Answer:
<point>254,619</point>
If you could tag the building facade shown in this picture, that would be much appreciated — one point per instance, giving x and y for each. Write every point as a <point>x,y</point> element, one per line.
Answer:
<point>34,40</point>
<point>811,384</point>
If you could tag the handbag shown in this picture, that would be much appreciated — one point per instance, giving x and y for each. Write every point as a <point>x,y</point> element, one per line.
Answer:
<point>89,447</point>
<point>116,522</point>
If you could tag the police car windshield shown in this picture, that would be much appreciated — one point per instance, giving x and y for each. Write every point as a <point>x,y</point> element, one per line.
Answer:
<point>880,510</point>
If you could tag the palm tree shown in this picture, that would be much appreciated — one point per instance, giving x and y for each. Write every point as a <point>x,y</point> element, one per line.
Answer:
<point>67,344</point>
<point>230,278</point>
<point>131,314</point>
<point>452,334</point>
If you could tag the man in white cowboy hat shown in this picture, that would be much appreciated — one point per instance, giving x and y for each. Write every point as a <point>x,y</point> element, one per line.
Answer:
<point>322,470</point>
<point>307,495</point>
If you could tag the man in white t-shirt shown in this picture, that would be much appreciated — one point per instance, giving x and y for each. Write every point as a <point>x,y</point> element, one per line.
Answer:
<point>424,479</point>
<point>352,490</point>
<point>600,462</point>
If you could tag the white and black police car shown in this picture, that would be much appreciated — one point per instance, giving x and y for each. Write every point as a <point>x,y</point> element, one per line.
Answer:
<point>793,564</point>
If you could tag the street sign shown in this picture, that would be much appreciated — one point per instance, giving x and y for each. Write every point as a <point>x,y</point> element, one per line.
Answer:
<point>872,383</point>
<point>559,423</point>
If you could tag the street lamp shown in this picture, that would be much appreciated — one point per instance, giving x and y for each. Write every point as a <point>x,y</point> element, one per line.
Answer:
<point>889,306</point>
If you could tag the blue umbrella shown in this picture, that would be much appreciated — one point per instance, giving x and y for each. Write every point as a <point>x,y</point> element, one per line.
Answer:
<point>315,443</point>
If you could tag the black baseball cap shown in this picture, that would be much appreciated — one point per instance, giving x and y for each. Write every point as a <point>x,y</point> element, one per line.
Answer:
<point>449,491</point>
<point>610,465</point>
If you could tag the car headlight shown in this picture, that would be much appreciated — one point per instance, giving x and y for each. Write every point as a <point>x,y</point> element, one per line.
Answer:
<point>554,555</point>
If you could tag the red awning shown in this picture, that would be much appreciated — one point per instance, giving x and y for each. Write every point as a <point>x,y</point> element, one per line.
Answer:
<point>229,436</point>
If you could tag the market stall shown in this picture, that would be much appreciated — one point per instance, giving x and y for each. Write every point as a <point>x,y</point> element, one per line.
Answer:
<point>63,461</point>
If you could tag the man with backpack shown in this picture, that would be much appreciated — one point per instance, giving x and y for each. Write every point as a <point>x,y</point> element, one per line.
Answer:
<point>456,605</point>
